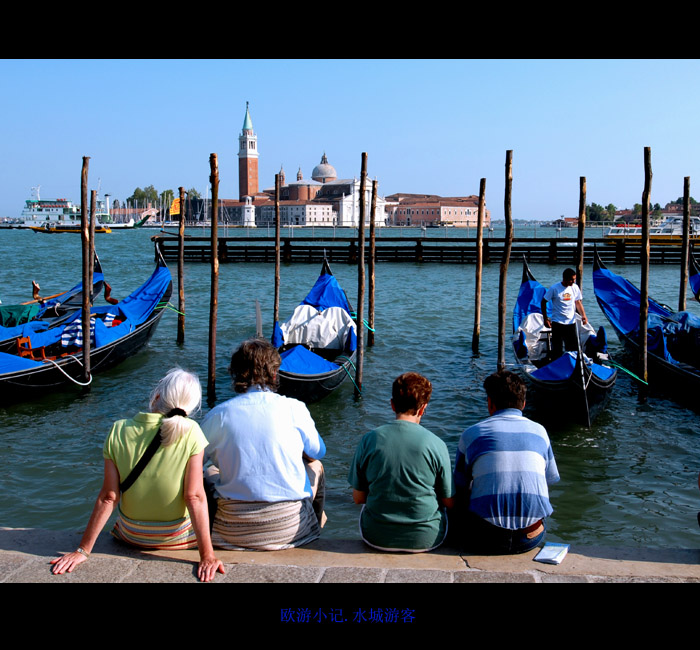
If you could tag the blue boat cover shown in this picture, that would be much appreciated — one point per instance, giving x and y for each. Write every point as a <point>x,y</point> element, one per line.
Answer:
<point>694,281</point>
<point>326,293</point>
<point>620,301</point>
<point>12,363</point>
<point>562,368</point>
<point>302,361</point>
<point>529,302</point>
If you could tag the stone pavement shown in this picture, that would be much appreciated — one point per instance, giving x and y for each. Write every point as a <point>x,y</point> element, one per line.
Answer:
<point>25,556</point>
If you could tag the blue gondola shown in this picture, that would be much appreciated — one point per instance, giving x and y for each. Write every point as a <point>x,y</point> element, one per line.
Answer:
<point>573,387</point>
<point>673,338</point>
<point>54,358</point>
<point>318,344</point>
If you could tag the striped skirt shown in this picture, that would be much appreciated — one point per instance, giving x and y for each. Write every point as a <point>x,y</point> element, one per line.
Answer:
<point>155,535</point>
<point>263,526</point>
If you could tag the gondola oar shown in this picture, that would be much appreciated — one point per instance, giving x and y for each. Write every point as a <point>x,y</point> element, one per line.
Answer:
<point>584,385</point>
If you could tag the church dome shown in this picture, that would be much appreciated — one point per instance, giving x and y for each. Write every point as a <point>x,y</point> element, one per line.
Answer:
<point>324,172</point>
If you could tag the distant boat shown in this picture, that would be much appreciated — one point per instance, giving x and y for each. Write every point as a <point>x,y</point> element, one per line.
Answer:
<point>668,232</point>
<point>58,228</point>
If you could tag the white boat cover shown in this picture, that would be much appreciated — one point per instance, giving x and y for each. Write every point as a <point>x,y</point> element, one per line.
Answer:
<point>535,334</point>
<point>329,328</point>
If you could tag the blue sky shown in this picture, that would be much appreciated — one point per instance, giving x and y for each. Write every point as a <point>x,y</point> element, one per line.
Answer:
<point>428,126</point>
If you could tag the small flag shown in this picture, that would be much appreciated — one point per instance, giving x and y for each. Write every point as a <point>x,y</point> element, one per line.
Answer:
<point>175,207</point>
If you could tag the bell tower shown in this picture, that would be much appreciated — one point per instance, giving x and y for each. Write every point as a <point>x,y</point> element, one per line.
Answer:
<point>247,159</point>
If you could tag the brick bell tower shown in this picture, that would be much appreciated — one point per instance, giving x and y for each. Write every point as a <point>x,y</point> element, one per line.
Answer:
<point>247,159</point>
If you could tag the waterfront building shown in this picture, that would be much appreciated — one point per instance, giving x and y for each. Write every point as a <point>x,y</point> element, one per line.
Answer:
<point>428,210</point>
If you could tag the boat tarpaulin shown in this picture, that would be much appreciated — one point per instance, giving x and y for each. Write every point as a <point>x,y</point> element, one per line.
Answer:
<point>326,293</point>
<point>301,361</point>
<point>562,368</point>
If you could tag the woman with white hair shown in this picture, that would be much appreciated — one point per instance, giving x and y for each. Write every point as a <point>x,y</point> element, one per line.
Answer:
<point>154,461</point>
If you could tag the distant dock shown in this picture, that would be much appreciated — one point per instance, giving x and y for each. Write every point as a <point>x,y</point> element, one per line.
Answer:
<point>422,250</point>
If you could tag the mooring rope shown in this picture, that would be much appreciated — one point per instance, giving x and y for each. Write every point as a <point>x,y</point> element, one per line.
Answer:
<point>75,381</point>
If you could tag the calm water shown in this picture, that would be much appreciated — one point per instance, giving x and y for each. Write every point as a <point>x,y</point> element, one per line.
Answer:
<point>629,481</point>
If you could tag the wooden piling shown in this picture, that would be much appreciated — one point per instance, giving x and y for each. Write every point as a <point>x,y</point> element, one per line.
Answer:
<point>479,266</point>
<point>581,231</point>
<point>214,300</point>
<point>91,242</point>
<point>181,270</point>
<point>685,248</point>
<point>276,308</point>
<point>87,286</point>
<point>361,280</point>
<point>644,298</point>
<point>502,284</point>
<point>371,265</point>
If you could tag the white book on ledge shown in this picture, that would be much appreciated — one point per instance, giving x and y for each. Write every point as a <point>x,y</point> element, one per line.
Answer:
<point>552,553</point>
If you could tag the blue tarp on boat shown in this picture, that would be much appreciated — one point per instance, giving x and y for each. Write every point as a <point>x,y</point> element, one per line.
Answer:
<point>302,361</point>
<point>561,369</point>
<point>326,293</point>
<point>528,302</point>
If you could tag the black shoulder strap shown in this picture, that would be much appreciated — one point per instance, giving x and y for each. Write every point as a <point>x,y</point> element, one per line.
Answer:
<point>143,461</point>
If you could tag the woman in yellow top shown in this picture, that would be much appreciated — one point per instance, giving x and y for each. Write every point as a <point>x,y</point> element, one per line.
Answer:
<point>166,506</point>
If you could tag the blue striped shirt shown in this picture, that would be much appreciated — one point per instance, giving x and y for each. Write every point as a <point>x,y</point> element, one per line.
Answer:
<point>509,461</point>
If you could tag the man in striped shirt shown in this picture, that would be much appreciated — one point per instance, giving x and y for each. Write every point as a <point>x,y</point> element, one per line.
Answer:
<point>503,467</point>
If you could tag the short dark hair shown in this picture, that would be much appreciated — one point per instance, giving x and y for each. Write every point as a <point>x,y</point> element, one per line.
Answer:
<point>506,390</point>
<point>568,273</point>
<point>255,362</point>
<point>409,392</point>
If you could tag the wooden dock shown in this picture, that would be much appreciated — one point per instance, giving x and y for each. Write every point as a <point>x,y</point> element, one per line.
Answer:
<point>422,250</point>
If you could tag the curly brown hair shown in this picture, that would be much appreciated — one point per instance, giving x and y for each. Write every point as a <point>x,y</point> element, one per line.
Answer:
<point>409,392</point>
<point>255,362</point>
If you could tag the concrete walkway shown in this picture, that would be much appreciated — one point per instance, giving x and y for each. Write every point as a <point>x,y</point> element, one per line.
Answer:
<point>25,556</point>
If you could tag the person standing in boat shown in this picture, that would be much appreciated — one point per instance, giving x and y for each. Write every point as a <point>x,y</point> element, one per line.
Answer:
<point>566,299</point>
<point>402,476</point>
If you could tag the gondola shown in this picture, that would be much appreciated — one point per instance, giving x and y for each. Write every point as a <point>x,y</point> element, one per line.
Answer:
<point>318,343</point>
<point>673,338</point>
<point>39,315</point>
<point>694,279</point>
<point>576,385</point>
<point>54,358</point>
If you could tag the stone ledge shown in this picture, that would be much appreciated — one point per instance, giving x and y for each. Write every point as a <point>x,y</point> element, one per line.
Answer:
<point>25,555</point>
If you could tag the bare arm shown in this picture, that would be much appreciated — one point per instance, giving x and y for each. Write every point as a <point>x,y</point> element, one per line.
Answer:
<point>104,507</point>
<point>543,308</point>
<point>359,497</point>
<point>196,500</point>
<point>582,311</point>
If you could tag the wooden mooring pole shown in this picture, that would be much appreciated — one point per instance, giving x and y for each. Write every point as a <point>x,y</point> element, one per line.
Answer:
<point>87,285</point>
<point>361,280</point>
<point>479,266</point>
<point>502,284</point>
<point>685,250</point>
<point>276,307</point>
<point>581,231</point>
<point>181,271</point>
<point>214,300</point>
<point>644,298</point>
<point>371,264</point>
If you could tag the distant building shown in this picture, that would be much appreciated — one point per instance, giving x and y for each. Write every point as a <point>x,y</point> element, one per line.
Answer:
<point>433,210</point>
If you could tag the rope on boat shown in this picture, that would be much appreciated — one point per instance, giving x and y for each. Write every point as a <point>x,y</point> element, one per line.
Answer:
<point>349,375</point>
<point>617,365</point>
<point>75,381</point>
<point>366,324</point>
<point>167,305</point>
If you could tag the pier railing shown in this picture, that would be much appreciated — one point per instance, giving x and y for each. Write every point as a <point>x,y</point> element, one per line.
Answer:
<point>410,250</point>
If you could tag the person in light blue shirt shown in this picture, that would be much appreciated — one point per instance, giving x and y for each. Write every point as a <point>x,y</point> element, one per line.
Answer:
<point>503,467</point>
<point>264,457</point>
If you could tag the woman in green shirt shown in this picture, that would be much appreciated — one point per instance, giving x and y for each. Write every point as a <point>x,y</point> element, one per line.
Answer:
<point>166,506</point>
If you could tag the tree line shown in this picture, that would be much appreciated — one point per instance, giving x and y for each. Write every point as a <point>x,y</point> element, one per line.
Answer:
<point>595,212</point>
<point>149,194</point>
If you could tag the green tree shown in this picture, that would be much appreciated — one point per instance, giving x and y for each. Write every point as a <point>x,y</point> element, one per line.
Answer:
<point>194,194</point>
<point>167,197</point>
<point>144,196</point>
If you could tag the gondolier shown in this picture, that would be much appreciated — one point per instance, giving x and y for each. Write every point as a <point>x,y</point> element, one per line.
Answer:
<point>566,299</point>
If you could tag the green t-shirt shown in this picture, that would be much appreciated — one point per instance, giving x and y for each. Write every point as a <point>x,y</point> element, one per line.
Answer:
<point>158,493</point>
<point>405,469</point>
